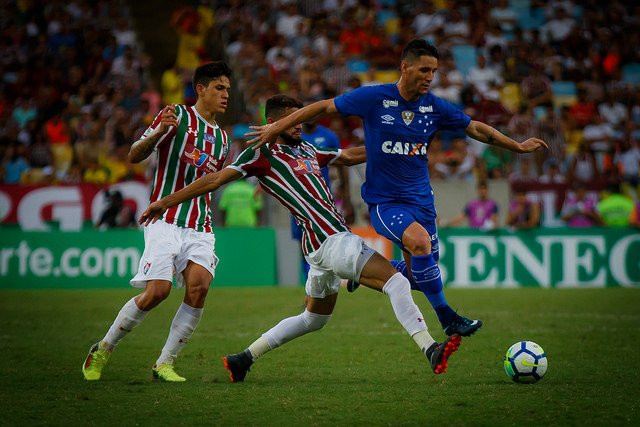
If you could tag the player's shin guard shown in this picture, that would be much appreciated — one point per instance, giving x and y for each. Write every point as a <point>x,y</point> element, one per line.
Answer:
<point>294,327</point>
<point>184,323</point>
<point>426,274</point>
<point>406,311</point>
<point>128,318</point>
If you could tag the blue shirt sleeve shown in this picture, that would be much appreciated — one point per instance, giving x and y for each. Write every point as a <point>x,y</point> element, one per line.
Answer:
<point>358,102</point>
<point>452,117</point>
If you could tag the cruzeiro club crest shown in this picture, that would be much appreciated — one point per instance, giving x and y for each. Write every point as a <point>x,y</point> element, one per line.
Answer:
<point>407,116</point>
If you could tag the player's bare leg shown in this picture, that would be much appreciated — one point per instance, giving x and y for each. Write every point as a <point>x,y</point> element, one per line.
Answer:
<point>316,314</point>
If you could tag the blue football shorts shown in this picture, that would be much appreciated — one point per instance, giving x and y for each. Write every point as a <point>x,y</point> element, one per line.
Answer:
<point>392,219</point>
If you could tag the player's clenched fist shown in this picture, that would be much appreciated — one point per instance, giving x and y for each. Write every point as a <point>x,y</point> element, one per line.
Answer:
<point>169,118</point>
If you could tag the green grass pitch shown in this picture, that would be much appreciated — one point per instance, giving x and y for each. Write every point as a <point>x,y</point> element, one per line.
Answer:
<point>361,369</point>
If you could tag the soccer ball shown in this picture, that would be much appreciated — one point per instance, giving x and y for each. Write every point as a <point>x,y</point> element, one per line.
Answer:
<point>525,362</point>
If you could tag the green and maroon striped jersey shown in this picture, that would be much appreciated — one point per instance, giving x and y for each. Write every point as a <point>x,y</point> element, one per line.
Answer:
<point>292,175</point>
<point>184,154</point>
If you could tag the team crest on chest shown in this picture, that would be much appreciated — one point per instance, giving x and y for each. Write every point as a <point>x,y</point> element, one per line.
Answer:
<point>407,117</point>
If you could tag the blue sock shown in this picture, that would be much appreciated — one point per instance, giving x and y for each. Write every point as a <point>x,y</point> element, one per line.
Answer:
<point>426,274</point>
<point>401,266</point>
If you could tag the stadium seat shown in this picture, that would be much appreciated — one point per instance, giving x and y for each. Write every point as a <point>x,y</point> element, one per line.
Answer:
<point>563,88</point>
<point>387,76</point>
<point>358,65</point>
<point>564,93</point>
<point>631,74</point>
<point>465,56</point>
<point>510,96</point>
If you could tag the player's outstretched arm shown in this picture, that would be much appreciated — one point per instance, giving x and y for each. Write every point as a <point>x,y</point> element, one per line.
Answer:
<point>142,148</point>
<point>351,156</point>
<point>485,133</point>
<point>206,184</point>
<point>267,134</point>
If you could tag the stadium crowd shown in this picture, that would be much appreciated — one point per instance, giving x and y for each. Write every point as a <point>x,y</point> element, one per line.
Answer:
<point>75,92</point>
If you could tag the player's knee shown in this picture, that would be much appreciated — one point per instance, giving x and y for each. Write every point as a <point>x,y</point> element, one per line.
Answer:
<point>315,321</point>
<point>421,247</point>
<point>160,293</point>
<point>198,291</point>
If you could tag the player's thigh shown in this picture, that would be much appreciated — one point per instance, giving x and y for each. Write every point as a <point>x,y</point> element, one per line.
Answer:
<point>196,276</point>
<point>161,246</point>
<point>376,272</point>
<point>391,221</point>
<point>197,248</point>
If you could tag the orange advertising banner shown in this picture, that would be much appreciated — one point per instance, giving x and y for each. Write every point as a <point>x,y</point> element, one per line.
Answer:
<point>375,241</point>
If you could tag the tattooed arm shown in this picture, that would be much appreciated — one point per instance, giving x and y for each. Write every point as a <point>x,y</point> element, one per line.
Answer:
<point>142,148</point>
<point>485,133</point>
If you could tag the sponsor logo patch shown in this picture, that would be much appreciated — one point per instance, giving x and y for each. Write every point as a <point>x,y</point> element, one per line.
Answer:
<point>209,138</point>
<point>426,109</point>
<point>386,103</point>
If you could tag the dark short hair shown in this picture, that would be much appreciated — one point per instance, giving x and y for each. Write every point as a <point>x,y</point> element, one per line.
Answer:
<point>417,48</point>
<point>277,104</point>
<point>210,71</point>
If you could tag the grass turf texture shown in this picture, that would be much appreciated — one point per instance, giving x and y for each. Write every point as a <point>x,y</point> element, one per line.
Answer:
<point>362,369</point>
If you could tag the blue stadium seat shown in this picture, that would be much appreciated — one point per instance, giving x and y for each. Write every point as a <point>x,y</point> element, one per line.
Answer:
<point>564,88</point>
<point>531,18</point>
<point>564,94</point>
<point>465,56</point>
<point>358,65</point>
<point>631,74</point>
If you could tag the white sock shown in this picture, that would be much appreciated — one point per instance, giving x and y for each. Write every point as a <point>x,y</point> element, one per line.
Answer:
<point>294,327</point>
<point>128,318</point>
<point>259,347</point>
<point>184,323</point>
<point>399,291</point>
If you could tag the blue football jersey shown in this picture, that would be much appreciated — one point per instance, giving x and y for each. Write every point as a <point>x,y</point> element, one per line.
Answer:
<point>322,137</point>
<point>397,134</point>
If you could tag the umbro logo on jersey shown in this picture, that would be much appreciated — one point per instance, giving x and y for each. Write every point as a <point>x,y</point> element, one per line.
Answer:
<point>386,103</point>
<point>209,138</point>
<point>387,119</point>
<point>426,109</point>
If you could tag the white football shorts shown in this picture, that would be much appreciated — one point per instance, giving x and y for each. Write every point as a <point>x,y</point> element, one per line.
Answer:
<point>167,250</point>
<point>341,256</point>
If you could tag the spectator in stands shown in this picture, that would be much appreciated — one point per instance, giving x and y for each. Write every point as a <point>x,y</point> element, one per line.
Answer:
<point>14,164</point>
<point>627,162</point>
<point>172,86</point>
<point>615,208</point>
<point>536,88</point>
<point>523,213</point>
<point>428,21</point>
<point>484,78</point>
<point>599,136</point>
<point>552,173</point>
<point>559,27</point>
<point>635,216</point>
<point>579,209</point>
<point>481,213</point>
<point>583,110</point>
<point>504,15</point>
<point>614,112</point>
<point>583,167</point>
